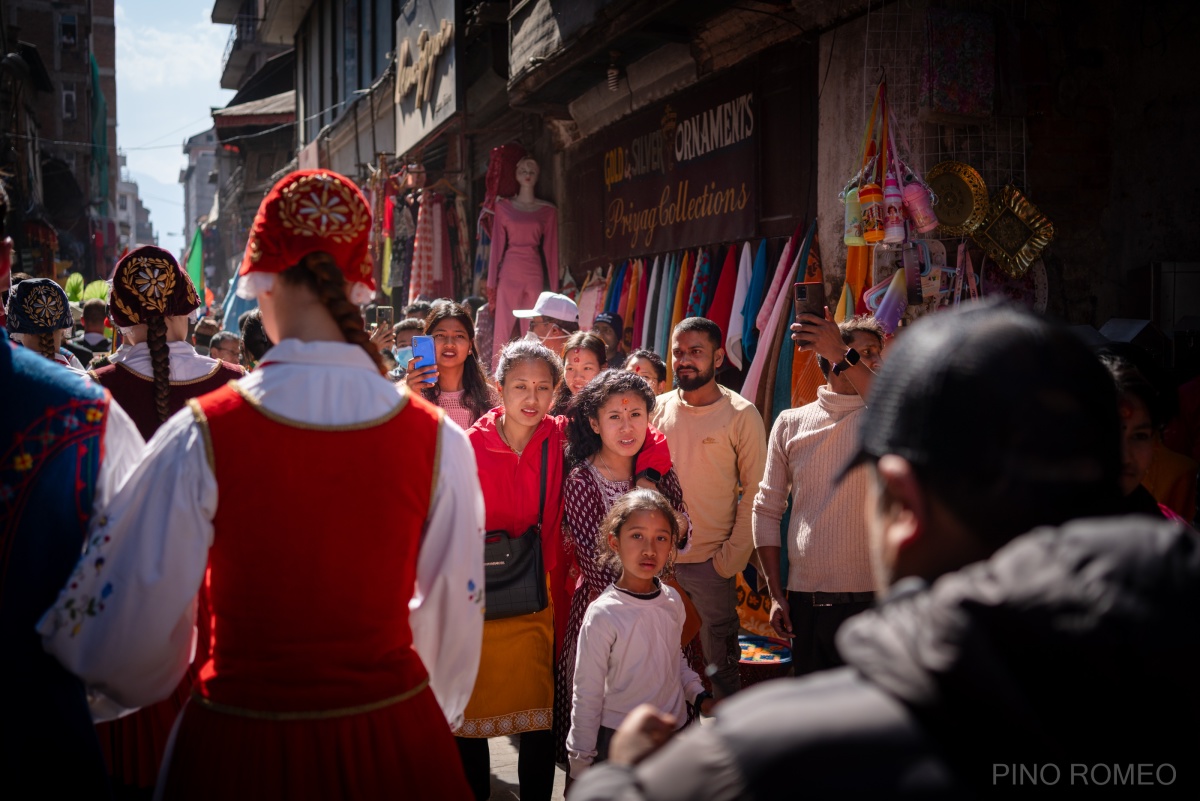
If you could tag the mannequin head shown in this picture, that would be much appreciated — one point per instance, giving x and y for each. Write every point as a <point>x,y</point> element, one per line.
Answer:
<point>527,173</point>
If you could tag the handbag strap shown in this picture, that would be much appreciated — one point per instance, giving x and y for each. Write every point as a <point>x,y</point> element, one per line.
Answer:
<point>542,493</point>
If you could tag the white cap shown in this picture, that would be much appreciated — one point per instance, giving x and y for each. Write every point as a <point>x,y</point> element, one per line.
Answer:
<point>552,304</point>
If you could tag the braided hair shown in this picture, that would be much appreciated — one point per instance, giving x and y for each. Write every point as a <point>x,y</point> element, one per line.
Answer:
<point>318,272</point>
<point>45,344</point>
<point>160,361</point>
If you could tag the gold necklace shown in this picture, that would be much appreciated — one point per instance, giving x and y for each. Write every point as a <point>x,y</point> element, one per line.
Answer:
<point>504,437</point>
<point>600,456</point>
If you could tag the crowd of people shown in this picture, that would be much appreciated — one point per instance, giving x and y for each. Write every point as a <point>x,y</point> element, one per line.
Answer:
<point>315,567</point>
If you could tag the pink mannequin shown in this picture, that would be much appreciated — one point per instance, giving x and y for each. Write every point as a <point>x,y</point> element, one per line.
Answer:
<point>524,253</point>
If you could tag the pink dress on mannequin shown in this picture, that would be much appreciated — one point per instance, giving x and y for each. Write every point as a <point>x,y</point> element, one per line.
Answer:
<point>519,240</point>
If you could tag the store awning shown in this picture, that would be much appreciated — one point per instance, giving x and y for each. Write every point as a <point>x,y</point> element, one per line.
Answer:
<point>278,109</point>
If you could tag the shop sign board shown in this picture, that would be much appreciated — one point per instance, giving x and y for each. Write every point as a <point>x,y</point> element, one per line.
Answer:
<point>677,175</point>
<point>426,71</point>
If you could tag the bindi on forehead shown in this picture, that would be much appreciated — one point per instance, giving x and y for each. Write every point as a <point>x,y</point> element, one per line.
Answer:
<point>624,401</point>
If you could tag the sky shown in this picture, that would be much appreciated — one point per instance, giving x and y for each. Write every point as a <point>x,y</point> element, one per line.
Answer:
<point>168,81</point>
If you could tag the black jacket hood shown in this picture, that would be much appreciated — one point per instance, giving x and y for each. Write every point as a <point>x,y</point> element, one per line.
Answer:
<point>1074,644</point>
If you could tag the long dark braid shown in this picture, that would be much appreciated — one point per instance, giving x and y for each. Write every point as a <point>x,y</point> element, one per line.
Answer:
<point>46,345</point>
<point>319,273</point>
<point>160,360</point>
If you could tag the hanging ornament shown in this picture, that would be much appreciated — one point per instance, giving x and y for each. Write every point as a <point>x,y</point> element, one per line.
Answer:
<point>853,234</point>
<point>893,212</point>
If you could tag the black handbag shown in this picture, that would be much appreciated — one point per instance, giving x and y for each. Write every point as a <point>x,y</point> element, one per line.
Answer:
<point>514,572</point>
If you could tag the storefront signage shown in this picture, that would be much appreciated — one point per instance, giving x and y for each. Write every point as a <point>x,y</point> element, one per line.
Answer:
<point>426,92</point>
<point>679,174</point>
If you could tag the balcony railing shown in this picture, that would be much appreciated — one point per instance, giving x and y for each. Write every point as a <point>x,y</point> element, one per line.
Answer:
<point>244,31</point>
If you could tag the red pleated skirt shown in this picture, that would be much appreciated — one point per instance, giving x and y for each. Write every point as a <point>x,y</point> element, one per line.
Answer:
<point>404,750</point>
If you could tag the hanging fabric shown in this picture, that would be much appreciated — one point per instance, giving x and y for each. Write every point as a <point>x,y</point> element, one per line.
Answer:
<point>646,340</point>
<point>665,305</point>
<point>733,334</point>
<point>702,285</point>
<point>421,284</point>
<point>754,298</point>
<point>639,316</point>
<point>786,258</point>
<point>722,302</point>
<point>758,364</point>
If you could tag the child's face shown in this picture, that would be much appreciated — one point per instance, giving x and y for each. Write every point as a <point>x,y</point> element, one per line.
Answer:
<point>643,545</point>
<point>621,423</point>
<point>404,338</point>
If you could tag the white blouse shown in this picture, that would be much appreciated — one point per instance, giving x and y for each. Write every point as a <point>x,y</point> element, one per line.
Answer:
<point>152,543</point>
<point>186,364</point>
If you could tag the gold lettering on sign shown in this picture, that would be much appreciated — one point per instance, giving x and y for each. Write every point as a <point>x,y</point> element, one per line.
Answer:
<point>419,74</point>
<point>676,206</point>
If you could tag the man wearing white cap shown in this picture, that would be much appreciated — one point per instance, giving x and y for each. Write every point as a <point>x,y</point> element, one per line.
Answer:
<point>552,319</point>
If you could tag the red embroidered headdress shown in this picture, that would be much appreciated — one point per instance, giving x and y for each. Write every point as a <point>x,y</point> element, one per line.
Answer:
<point>311,211</point>
<point>148,282</point>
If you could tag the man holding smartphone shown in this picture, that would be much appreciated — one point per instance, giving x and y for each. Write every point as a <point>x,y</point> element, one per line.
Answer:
<point>829,572</point>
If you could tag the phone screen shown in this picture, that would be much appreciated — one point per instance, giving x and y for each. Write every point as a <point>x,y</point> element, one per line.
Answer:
<point>424,353</point>
<point>810,298</point>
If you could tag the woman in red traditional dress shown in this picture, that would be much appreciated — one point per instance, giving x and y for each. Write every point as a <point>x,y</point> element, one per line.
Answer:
<point>344,643</point>
<point>151,377</point>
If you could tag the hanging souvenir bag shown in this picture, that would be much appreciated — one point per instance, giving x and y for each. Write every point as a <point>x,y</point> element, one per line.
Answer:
<point>514,572</point>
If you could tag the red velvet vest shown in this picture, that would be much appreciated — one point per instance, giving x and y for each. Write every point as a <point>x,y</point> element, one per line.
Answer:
<point>314,555</point>
<point>135,392</point>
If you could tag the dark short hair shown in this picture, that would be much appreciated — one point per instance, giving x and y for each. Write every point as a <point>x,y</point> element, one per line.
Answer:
<point>255,341</point>
<point>94,310</point>
<point>221,337</point>
<point>418,308</point>
<point>704,326</point>
<point>660,367</point>
<point>408,324</point>
<point>848,328</point>
<point>1047,449</point>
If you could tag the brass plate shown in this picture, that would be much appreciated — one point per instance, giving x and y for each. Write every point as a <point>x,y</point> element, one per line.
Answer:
<point>1014,232</point>
<point>962,198</point>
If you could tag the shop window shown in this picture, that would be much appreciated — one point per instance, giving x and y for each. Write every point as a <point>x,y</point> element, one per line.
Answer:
<point>68,101</point>
<point>68,32</point>
<point>123,202</point>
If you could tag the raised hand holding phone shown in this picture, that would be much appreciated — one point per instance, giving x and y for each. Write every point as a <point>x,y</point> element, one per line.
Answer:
<point>422,369</point>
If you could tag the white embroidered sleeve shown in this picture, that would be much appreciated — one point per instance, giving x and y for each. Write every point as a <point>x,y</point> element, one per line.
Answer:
<point>124,622</point>
<point>446,612</point>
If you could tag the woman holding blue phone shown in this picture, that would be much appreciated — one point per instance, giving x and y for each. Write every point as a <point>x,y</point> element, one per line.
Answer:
<point>445,368</point>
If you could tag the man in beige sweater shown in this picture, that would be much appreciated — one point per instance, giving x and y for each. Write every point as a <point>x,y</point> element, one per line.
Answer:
<point>718,445</point>
<point>829,569</point>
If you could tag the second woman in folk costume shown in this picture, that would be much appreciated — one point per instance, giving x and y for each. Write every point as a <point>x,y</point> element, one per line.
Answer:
<point>344,643</point>
<point>150,301</point>
<point>38,318</point>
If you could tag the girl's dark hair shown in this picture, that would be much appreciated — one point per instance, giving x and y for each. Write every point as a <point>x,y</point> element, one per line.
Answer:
<point>479,397</point>
<point>582,441</point>
<point>660,367</point>
<point>160,362</point>
<point>522,351</point>
<point>45,344</point>
<point>636,500</point>
<point>585,340</point>
<point>318,272</point>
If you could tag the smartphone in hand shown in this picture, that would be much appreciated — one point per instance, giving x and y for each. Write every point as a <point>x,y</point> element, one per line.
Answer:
<point>810,298</point>
<point>385,316</point>
<point>424,353</point>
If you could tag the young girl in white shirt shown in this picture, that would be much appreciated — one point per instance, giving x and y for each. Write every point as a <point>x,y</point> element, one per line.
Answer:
<point>628,652</point>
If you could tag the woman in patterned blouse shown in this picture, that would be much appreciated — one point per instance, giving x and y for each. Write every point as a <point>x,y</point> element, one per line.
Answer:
<point>609,423</point>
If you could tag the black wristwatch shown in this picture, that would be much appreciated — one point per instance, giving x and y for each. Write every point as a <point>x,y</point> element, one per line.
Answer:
<point>850,359</point>
<point>649,473</point>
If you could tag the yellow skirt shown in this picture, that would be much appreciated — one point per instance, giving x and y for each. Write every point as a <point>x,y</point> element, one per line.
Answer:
<point>514,691</point>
